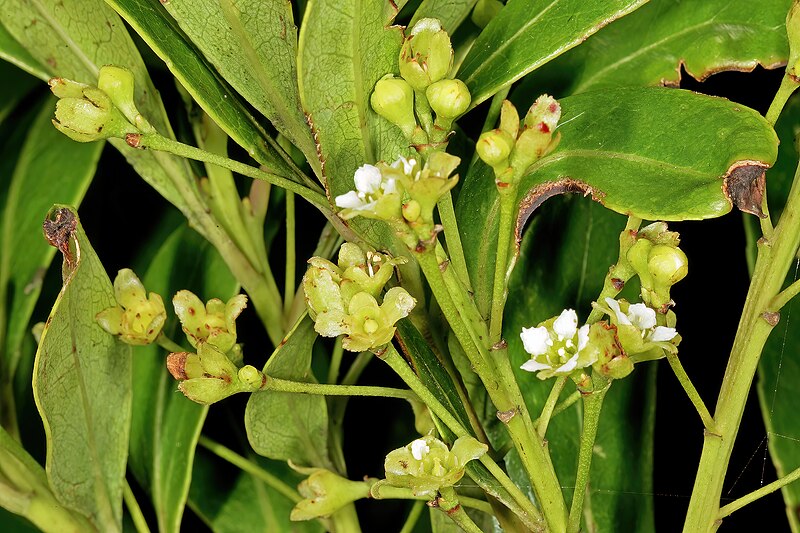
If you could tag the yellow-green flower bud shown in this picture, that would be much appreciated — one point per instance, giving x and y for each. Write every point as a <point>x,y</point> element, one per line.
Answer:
<point>427,55</point>
<point>485,11</point>
<point>411,210</point>
<point>214,322</point>
<point>494,147</point>
<point>251,378</point>
<point>426,465</point>
<point>209,376</point>
<point>90,117</point>
<point>393,99</point>
<point>509,119</point>
<point>137,318</point>
<point>667,264</point>
<point>117,83</point>
<point>449,99</point>
<point>325,493</point>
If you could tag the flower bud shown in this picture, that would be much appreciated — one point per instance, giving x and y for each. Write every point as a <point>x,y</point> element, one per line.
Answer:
<point>509,119</point>
<point>426,465</point>
<point>214,322</point>
<point>449,99</point>
<point>668,265</point>
<point>494,147</point>
<point>117,83</point>
<point>427,55</point>
<point>137,319</point>
<point>251,377</point>
<point>90,117</point>
<point>411,210</point>
<point>485,11</point>
<point>325,493</point>
<point>618,367</point>
<point>543,114</point>
<point>209,376</point>
<point>393,99</point>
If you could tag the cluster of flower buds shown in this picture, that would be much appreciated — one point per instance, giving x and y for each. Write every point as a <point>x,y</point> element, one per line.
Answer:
<point>325,492</point>
<point>426,58</point>
<point>343,298</point>
<point>87,113</point>
<point>513,147</point>
<point>137,318</point>
<point>659,263</point>
<point>427,464</point>
<point>403,193</point>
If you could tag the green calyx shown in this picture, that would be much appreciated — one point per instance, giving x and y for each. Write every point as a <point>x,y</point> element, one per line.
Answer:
<point>449,99</point>
<point>325,492</point>
<point>659,263</point>
<point>427,464</point>
<point>214,322</point>
<point>393,99</point>
<point>426,55</point>
<point>137,318</point>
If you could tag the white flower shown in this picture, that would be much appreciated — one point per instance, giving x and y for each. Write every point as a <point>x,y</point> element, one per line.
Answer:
<point>372,186</point>
<point>419,448</point>
<point>556,350</point>
<point>407,164</point>
<point>644,319</point>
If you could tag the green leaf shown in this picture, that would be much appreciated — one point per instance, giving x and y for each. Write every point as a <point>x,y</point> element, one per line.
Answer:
<point>82,386</point>
<point>50,169</point>
<point>565,256</point>
<point>451,13</point>
<point>655,153</point>
<point>527,34</point>
<point>346,46</point>
<point>289,426</point>
<point>165,425</point>
<point>240,503</point>
<point>74,38</point>
<point>252,44</point>
<point>650,46</point>
<point>16,54</point>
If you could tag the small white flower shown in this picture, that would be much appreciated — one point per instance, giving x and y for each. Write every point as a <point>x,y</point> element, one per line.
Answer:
<point>556,350</point>
<point>407,164</point>
<point>371,185</point>
<point>419,448</point>
<point>644,319</point>
<point>535,340</point>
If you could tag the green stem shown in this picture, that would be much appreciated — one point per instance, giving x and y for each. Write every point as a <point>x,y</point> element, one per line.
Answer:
<point>289,284</point>
<point>336,361</point>
<point>737,504</point>
<point>784,296</point>
<point>549,406</point>
<point>772,265</point>
<point>154,141</point>
<point>505,235</point>
<point>324,389</point>
<point>566,404</point>
<point>388,492</point>
<point>413,517</point>
<point>453,237</point>
<point>592,406</point>
<point>787,87</point>
<point>449,504</point>
<point>169,344</point>
<point>250,467</point>
<point>691,391</point>
<point>133,508</point>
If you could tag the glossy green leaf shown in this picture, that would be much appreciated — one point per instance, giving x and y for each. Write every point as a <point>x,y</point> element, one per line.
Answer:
<point>82,387</point>
<point>16,54</point>
<point>74,38</point>
<point>51,169</point>
<point>236,502</point>
<point>165,425</point>
<point>346,46</point>
<point>563,263</point>
<point>451,13</point>
<point>650,46</point>
<point>623,146</point>
<point>527,34</point>
<point>252,44</point>
<point>284,425</point>
<point>17,84</point>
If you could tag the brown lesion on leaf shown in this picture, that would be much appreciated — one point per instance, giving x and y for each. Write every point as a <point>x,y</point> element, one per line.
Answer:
<point>59,228</point>
<point>743,185</point>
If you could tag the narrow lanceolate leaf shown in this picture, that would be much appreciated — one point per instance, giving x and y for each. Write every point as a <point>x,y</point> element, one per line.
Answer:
<point>451,13</point>
<point>650,46</point>
<point>253,45</point>
<point>51,168</point>
<point>165,425</point>
<point>284,425</point>
<point>527,34</point>
<point>346,46</point>
<point>16,54</point>
<point>82,384</point>
<point>655,153</point>
<point>74,38</point>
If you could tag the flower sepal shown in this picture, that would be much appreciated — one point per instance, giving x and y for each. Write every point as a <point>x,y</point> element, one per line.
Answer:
<point>137,318</point>
<point>426,55</point>
<point>214,322</point>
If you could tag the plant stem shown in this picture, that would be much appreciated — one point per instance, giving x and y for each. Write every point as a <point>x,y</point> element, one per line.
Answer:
<point>250,467</point>
<point>549,406</point>
<point>787,87</point>
<point>388,492</point>
<point>592,406</point>
<point>154,141</point>
<point>413,517</point>
<point>772,264</point>
<point>784,296</point>
<point>133,508</point>
<point>566,404</point>
<point>691,391</point>
<point>336,361</point>
<point>448,503</point>
<point>738,503</point>
<point>505,234</point>
<point>453,237</point>
<point>169,344</point>
<point>324,389</point>
<point>289,284</point>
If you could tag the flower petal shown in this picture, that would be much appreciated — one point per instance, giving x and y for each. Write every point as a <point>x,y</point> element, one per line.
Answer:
<point>662,334</point>
<point>621,318</point>
<point>583,337</point>
<point>642,316</point>
<point>367,179</point>
<point>531,365</point>
<point>569,366</point>
<point>419,448</point>
<point>566,325</point>
<point>349,200</point>
<point>535,340</point>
